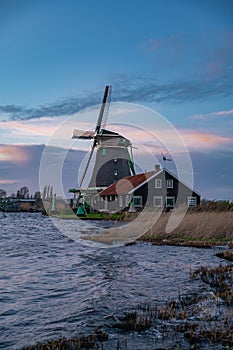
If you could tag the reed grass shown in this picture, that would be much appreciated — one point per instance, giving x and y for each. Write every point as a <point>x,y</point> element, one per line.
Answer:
<point>205,228</point>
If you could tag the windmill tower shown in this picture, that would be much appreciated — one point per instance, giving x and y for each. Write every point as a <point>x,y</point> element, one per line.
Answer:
<point>113,160</point>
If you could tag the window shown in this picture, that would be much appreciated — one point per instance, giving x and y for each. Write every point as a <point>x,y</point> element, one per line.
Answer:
<point>169,183</point>
<point>104,152</point>
<point>137,201</point>
<point>158,183</point>
<point>192,201</point>
<point>127,200</point>
<point>170,202</point>
<point>120,201</point>
<point>158,201</point>
<point>115,172</point>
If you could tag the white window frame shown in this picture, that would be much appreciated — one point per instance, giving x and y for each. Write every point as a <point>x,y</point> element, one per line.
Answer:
<point>161,201</point>
<point>192,201</point>
<point>127,200</point>
<point>169,183</point>
<point>169,198</point>
<point>106,204</point>
<point>140,199</point>
<point>158,183</point>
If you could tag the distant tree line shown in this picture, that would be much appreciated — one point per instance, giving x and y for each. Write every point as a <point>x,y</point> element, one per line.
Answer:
<point>22,193</point>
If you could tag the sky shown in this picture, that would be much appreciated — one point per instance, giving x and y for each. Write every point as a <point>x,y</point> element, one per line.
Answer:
<point>173,57</point>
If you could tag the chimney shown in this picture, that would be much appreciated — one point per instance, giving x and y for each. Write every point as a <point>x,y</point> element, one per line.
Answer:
<point>157,167</point>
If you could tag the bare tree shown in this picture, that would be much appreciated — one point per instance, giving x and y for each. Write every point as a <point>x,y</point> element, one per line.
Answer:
<point>3,193</point>
<point>23,192</point>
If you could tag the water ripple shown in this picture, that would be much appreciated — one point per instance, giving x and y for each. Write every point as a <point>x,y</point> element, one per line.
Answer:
<point>51,286</point>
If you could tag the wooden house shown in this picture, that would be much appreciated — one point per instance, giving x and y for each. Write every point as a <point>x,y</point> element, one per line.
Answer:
<point>158,188</point>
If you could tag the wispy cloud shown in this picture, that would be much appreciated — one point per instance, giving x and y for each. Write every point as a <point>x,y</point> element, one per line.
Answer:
<point>151,44</point>
<point>158,140</point>
<point>7,182</point>
<point>129,89</point>
<point>226,113</point>
<point>202,141</point>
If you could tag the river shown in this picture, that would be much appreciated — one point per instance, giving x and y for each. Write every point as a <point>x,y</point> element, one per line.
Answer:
<point>52,286</point>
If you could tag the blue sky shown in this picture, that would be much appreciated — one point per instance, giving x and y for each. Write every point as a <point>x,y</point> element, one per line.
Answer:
<point>175,57</point>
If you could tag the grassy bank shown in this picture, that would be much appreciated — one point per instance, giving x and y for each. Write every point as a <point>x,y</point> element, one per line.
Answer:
<point>204,228</point>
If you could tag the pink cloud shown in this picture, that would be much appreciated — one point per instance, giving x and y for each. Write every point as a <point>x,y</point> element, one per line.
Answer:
<point>158,139</point>
<point>200,140</point>
<point>13,153</point>
<point>7,182</point>
<point>21,128</point>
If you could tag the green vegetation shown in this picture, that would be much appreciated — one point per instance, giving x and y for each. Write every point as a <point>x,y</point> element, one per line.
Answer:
<point>94,216</point>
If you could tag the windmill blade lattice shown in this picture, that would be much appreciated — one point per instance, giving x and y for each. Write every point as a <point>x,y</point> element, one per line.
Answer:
<point>87,165</point>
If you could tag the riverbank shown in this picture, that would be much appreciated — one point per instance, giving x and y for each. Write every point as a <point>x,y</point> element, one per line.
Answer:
<point>204,229</point>
<point>198,228</point>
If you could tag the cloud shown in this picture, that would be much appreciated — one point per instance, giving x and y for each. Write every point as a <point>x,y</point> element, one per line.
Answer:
<point>213,114</point>
<point>13,153</point>
<point>130,89</point>
<point>7,182</point>
<point>205,164</point>
<point>151,44</point>
<point>158,139</point>
<point>65,107</point>
<point>201,141</point>
<point>36,127</point>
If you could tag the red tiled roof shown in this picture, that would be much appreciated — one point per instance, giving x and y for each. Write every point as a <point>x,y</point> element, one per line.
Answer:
<point>126,184</point>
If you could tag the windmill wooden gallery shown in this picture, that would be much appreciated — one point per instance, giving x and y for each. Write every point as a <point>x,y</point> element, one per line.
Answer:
<point>114,185</point>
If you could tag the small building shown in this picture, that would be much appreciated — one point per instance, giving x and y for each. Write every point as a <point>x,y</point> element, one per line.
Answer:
<point>11,204</point>
<point>158,189</point>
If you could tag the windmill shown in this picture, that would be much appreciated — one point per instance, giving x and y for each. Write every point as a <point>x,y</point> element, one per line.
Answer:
<point>165,159</point>
<point>113,160</point>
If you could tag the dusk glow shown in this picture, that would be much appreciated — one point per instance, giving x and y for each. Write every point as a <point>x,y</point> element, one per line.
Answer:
<point>174,58</point>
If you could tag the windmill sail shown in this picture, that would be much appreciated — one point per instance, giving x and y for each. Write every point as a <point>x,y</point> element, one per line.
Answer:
<point>105,103</point>
<point>113,160</point>
<point>85,135</point>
